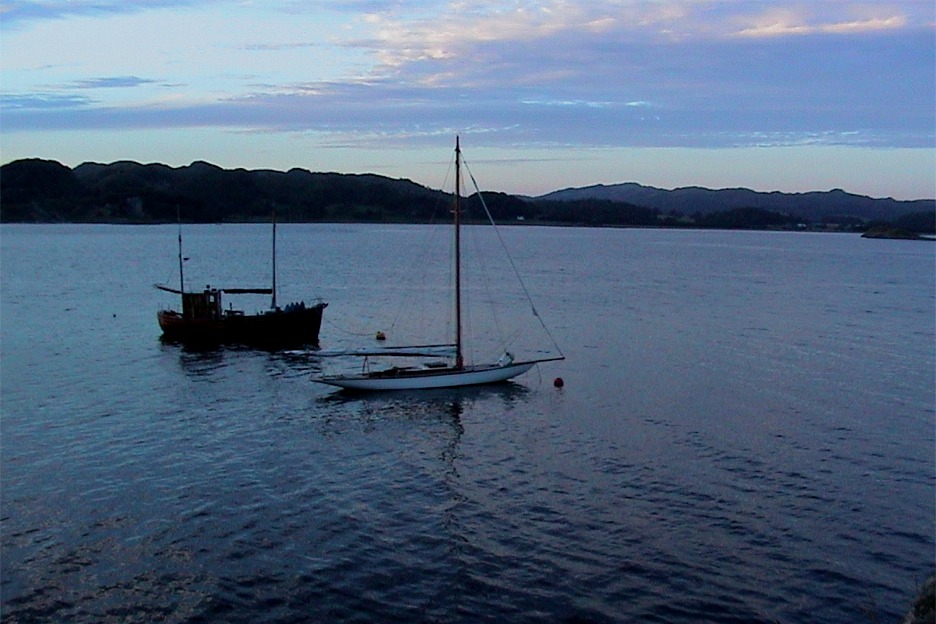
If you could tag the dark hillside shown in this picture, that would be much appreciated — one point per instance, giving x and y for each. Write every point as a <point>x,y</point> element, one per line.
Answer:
<point>692,200</point>
<point>39,190</point>
<point>201,192</point>
<point>919,222</point>
<point>128,192</point>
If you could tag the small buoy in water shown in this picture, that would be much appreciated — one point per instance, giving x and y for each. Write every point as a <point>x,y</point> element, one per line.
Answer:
<point>381,336</point>
<point>558,382</point>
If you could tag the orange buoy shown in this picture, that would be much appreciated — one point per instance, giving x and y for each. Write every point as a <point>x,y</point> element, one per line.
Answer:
<point>558,382</point>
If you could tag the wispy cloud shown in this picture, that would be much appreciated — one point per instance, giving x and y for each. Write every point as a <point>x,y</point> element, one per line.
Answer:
<point>111,82</point>
<point>42,102</point>
<point>416,115</point>
<point>270,47</point>
<point>17,13</point>
<point>788,22</point>
<point>464,28</point>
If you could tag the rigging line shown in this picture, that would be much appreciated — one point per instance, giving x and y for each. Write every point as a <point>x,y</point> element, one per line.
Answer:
<point>416,273</point>
<point>327,320</point>
<point>421,260</point>
<point>509,257</point>
<point>486,281</point>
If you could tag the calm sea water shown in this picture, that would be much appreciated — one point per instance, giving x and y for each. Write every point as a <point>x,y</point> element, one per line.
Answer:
<point>746,434</point>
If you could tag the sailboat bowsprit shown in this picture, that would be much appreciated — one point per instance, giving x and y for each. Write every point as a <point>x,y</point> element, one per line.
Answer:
<point>204,321</point>
<point>438,374</point>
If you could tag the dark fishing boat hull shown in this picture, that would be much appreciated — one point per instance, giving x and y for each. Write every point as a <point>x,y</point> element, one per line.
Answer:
<point>274,329</point>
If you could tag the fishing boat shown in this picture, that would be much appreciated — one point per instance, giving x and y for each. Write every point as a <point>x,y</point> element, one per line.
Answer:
<point>203,320</point>
<point>453,370</point>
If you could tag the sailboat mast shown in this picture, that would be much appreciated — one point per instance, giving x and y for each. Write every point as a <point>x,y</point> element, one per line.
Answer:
<point>459,359</point>
<point>273,302</point>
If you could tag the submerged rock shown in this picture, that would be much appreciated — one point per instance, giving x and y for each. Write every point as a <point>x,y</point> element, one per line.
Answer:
<point>890,232</point>
<point>924,607</point>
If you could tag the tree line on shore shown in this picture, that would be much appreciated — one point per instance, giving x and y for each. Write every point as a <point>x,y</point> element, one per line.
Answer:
<point>34,190</point>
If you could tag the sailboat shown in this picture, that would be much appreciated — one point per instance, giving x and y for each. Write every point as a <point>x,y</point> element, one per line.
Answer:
<point>436,374</point>
<point>203,320</point>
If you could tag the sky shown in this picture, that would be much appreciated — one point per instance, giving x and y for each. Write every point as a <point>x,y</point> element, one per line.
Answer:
<point>773,95</point>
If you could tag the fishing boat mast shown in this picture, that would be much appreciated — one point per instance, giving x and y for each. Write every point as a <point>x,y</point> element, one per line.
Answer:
<point>273,302</point>
<point>181,272</point>
<point>459,359</point>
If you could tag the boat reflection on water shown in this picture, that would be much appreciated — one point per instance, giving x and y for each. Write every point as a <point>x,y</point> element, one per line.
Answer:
<point>195,362</point>
<point>422,409</point>
<point>200,361</point>
<point>418,404</point>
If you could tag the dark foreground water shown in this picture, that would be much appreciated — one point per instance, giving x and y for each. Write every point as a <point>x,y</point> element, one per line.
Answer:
<point>746,434</point>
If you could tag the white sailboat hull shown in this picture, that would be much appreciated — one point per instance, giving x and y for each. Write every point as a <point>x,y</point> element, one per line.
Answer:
<point>420,379</point>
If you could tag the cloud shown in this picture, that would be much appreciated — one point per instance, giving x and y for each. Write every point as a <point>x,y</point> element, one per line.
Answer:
<point>41,102</point>
<point>111,82</point>
<point>466,27</point>
<point>786,22</point>
<point>391,114</point>
<point>273,47</point>
<point>663,74</point>
<point>460,28</point>
<point>17,13</point>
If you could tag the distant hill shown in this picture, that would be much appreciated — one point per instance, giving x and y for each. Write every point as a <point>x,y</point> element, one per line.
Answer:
<point>34,190</point>
<point>693,200</point>
<point>40,190</point>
